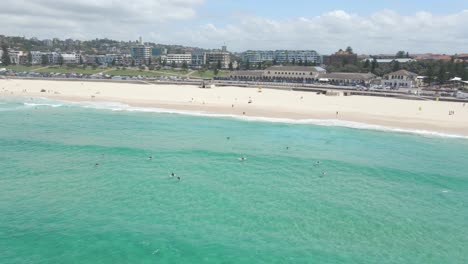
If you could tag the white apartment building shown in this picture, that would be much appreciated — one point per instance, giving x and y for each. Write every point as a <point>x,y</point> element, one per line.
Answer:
<point>178,59</point>
<point>282,56</point>
<point>70,58</point>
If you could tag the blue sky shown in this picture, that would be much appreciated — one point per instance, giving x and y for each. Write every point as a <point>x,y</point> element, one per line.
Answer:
<point>369,26</point>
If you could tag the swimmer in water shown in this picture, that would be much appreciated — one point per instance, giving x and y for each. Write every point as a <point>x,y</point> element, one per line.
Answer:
<point>287,148</point>
<point>172,174</point>
<point>178,178</point>
<point>97,164</point>
<point>242,158</point>
<point>228,138</point>
<point>317,163</point>
<point>150,157</point>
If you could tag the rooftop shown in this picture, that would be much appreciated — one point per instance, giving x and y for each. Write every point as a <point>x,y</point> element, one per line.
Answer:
<point>296,68</point>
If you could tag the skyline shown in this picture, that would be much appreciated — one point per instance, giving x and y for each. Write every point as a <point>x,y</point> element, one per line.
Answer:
<point>368,27</point>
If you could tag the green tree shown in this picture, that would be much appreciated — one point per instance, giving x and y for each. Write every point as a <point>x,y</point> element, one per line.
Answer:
<point>400,54</point>
<point>164,63</point>
<point>216,71</point>
<point>149,61</point>
<point>184,66</point>
<point>367,64</point>
<point>275,62</point>
<point>349,50</point>
<point>44,60</point>
<point>113,62</point>
<point>247,65</point>
<point>218,65</point>
<point>374,65</point>
<point>260,65</point>
<point>81,60</point>
<point>60,60</point>
<point>293,61</point>
<point>173,64</point>
<point>29,58</point>
<point>300,63</point>
<point>133,62</point>
<point>96,61</point>
<point>396,66</point>
<point>442,75</point>
<point>231,66</point>
<point>5,56</point>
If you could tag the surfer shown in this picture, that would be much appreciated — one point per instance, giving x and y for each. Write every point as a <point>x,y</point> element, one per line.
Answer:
<point>150,158</point>
<point>242,158</point>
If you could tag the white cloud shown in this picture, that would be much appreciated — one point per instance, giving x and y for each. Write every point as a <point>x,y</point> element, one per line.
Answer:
<point>178,21</point>
<point>385,31</point>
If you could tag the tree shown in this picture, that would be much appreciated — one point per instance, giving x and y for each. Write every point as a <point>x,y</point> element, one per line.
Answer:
<point>44,60</point>
<point>231,66</point>
<point>173,64</point>
<point>218,65</point>
<point>293,61</point>
<point>5,56</point>
<point>396,66</point>
<point>407,55</point>
<point>149,61</point>
<point>400,54</point>
<point>300,62</point>
<point>29,58</point>
<point>429,74</point>
<point>306,63</point>
<point>367,64</point>
<point>259,65</point>
<point>349,50</point>
<point>216,71</point>
<point>60,60</point>
<point>113,62</point>
<point>442,76</point>
<point>164,63</point>
<point>184,66</point>
<point>374,65</point>
<point>275,62</point>
<point>133,62</point>
<point>247,65</point>
<point>81,60</point>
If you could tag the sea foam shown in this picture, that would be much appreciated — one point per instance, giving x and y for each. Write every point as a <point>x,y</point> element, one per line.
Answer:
<point>116,106</point>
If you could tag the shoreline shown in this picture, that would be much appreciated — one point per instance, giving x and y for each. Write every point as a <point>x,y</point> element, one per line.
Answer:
<point>389,113</point>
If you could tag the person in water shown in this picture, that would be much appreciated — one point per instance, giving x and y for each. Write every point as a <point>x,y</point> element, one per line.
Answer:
<point>172,174</point>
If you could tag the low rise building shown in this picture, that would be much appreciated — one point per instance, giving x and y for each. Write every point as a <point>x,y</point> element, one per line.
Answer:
<point>400,79</point>
<point>293,72</point>
<point>347,78</point>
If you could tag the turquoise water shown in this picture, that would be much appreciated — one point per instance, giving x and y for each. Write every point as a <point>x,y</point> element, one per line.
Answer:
<point>385,197</point>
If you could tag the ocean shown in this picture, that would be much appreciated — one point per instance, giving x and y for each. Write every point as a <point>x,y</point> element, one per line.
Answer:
<point>91,183</point>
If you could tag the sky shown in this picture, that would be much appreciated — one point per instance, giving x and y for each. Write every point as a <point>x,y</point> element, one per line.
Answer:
<point>369,26</point>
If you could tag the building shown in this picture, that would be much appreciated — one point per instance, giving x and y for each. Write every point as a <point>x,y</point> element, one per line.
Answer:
<point>141,54</point>
<point>340,58</point>
<point>36,57</point>
<point>214,57</point>
<point>16,56</point>
<point>293,72</point>
<point>282,56</point>
<point>387,61</point>
<point>156,52</point>
<point>462,58</point>
<point>430,56</point>
<point>198,59</point>
<point>178,59</point>
<point>71,58</point>
<point>290,74</point>
<point>347,78</point>
<point>400,79</point>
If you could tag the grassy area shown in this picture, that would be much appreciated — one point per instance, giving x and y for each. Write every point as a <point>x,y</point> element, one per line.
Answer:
<point>21,67</point>
<point>132,72</point>
<point>79,70</point>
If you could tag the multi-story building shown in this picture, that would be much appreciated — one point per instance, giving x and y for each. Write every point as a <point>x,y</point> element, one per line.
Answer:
<point>141,54</point>
<point>400,79</point>
<point>156,52</point>
<point>198,59</point>
<point>178,59</point>
<point>71,58</point>
<point>214,57</point>
<point>36,57</point>
<point>282,56</point>
<point>15,56</point>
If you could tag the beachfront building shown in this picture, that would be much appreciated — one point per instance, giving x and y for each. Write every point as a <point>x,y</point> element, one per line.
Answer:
<point>198,59</point>
<point>292,74</point>
<point>214,57</point>
<point>16,56</point>
<point>285,73</point>
<point>400,79</point>
<point>347,78</point>
<point>157,52</point>
<point>282,56</point>
<point>141,54</point>
<point>178,59</point>
<point>71,58</point>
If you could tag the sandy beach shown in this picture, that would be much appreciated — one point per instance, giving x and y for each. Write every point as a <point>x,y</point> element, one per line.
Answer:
<point>389,112</point>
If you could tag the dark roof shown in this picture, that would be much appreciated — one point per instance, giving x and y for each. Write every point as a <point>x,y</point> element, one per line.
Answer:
<point>348,76</point>
<point>247,73</point>
<point>295,68</point>
<point>402,73</point>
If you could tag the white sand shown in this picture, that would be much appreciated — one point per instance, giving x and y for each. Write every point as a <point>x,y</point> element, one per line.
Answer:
<point>390,112</point>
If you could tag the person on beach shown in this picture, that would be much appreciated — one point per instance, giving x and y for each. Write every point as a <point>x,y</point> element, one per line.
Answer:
<point>337,113</point>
